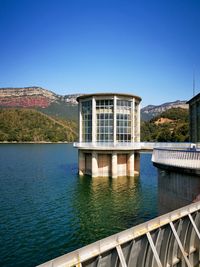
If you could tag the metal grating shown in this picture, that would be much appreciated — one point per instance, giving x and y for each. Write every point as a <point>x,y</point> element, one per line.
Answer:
<point>171,240</point>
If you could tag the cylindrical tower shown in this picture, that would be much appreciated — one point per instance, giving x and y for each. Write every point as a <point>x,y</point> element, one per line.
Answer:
<point>109,132</point>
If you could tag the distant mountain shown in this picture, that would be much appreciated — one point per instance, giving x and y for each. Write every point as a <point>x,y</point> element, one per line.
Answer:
<point>151,111</point>
<point>41,99</point>
<point>65,106</point>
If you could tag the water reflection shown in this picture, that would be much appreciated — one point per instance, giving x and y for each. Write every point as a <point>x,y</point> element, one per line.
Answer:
<point>47,210</point>
<point>176,190</point>
<point>105,206</point>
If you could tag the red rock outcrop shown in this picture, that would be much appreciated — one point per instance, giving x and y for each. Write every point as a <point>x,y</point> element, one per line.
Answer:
<point>26,97</point>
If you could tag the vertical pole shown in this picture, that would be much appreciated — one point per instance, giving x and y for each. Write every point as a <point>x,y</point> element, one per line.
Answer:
<point>94,119</point>
<point>130,164</point>
<point>133,133</point>
<point>94,164</point>
<point>81,162</point>
<point>115,119</point>
<point>137,163</point>
<point>114,165</point>
<point>138,123</point>
<point>80,121</point>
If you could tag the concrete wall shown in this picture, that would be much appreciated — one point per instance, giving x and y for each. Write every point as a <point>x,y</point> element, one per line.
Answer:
<point>122,164</point>
<point>176,190</point>
<point>104,165</point>
<point>114,164</point>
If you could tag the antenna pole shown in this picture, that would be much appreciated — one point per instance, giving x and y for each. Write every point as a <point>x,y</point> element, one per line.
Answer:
<point>193,83</point>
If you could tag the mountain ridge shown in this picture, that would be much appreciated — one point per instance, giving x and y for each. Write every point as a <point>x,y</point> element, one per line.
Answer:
<point>65,106</point>
<point>151,111</point>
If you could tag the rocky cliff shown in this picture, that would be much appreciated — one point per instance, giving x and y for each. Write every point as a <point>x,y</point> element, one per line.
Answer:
<point>151,111</point>
<point>65,106</point>
<point>32,97</point>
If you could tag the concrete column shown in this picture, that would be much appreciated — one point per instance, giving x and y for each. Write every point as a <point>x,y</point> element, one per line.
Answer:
<point>114,165</point>
<point>133,121</point>
<point>138,123</point>
<point>94,121</point>
<point>131,164</point>
<point>137,164</point>
<point>94,164</point>
<point>81,162</point>
<point>80,122</point>
<point>115,119</point>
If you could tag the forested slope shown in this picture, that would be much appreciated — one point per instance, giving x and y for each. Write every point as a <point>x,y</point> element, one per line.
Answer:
<point>170,126</point>
<point>27,125</point>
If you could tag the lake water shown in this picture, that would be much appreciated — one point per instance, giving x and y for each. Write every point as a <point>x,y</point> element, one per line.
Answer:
<point>47,210</point>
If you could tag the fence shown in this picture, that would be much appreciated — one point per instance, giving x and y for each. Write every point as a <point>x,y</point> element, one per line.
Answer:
<point>170,240</point>
<point>133,145</point>
<point>177,158</point>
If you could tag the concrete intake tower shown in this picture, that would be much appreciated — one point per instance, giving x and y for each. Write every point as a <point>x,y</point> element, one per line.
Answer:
<point>109,133</point>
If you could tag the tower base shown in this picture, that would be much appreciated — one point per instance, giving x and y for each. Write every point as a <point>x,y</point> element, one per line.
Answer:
<point>104,164</point>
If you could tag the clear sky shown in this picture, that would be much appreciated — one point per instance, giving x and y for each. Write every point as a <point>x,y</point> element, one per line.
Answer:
<point>148,48</point>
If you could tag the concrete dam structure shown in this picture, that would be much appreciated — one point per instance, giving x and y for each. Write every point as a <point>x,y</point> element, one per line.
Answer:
<point>170,240</point>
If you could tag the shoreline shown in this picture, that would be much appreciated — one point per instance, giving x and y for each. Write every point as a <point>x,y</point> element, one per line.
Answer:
<point>37,142</point>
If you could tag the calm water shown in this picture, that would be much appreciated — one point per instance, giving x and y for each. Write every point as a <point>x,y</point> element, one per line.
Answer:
<point>47,210</point>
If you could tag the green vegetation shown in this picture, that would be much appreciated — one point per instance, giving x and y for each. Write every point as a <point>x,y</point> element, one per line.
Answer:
<point>27,125</point>
<point>62,110</point>
<point>170,126</point>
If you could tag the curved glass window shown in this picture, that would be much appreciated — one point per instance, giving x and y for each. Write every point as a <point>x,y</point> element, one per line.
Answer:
<point>124,120</point>
<point>104,113</point>
<point>86,112</point>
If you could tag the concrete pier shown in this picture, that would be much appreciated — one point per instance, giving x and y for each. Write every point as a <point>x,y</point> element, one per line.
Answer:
<point>104,164</point>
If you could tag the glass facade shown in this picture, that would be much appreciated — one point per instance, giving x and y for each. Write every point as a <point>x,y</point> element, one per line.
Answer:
<point>104,113</point>
<point>124,112</point>
<point>124,108</point>
<point>136,110</point>
<point>86,112</point>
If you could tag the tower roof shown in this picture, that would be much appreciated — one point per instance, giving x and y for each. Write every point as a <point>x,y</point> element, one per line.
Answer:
<point>108,94</point>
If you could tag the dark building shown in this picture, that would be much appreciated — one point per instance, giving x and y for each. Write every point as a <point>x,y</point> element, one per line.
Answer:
<point>194,118</point>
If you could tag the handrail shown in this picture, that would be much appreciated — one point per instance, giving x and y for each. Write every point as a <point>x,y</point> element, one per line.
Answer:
<point>177,158</point>
<point>133,145</point>
<point>145,234</point>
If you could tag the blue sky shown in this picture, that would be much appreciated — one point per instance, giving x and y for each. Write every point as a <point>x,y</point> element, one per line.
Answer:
<point>147,48</point>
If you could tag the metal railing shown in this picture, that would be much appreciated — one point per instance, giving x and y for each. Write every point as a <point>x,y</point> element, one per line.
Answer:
<point>169,240</point>
<point>177,158</point>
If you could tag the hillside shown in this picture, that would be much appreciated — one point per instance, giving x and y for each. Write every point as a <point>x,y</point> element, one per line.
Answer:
<point>27,125</point>
<point>65,106</point>
<point>61,111</point>
<point>165,122</point>
<point>150,111</point>
<point>170,126</point>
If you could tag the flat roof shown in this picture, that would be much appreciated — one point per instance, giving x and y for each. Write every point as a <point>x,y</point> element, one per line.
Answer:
<point>193,99</point>
<point>108,94</point>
